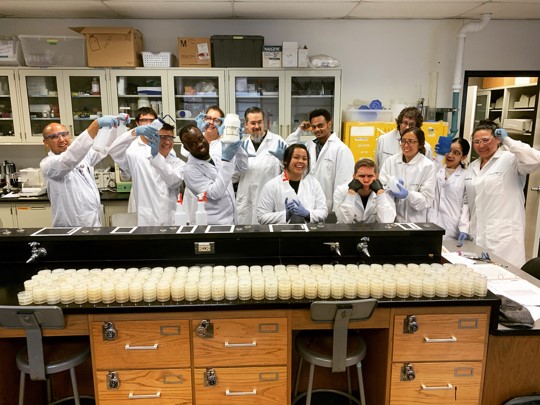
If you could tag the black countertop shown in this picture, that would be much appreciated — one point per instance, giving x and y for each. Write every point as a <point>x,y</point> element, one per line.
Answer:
<point>105,195</point>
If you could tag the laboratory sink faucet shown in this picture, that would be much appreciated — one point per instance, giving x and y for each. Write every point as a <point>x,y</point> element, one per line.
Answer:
<point>363,246</point>
<point>334,247</point>
<point>36,252</point>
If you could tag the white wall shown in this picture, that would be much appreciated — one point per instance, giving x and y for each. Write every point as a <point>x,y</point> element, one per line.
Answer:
<point>389,60</point>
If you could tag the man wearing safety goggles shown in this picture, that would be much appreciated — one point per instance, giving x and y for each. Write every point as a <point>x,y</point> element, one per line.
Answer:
<point>68,170</point>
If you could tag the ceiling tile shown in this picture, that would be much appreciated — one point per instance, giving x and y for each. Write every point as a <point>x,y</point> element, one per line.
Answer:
<point>507,11</point>
<point>293,10</point>
<point>168,9</point>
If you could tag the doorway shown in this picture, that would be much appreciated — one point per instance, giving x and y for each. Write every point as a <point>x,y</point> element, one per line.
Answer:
<point>510,99</point>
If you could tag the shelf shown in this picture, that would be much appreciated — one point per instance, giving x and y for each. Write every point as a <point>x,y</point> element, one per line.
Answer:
<point>520,109</point>
<point>315,96</point>
<point>5,96</point>
<point>6,119</point>
<point>87,96</point>
<point>141,95</point>
<point>42,96</point>
<point>197,96</point>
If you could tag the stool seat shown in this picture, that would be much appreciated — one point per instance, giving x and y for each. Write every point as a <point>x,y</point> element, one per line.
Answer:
<point>316,347</point>
<point>57,358</point>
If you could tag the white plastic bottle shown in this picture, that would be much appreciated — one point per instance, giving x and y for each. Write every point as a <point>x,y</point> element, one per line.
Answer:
<point>180,217</point>
<point>157,123</point>
<point>201,217</point>
<point>231,132</point>
<point>102,139</point>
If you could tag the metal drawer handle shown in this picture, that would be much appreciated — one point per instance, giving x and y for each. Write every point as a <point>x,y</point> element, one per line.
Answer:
<point>153,347</point>
<point>144,396</point>
<point>443,388</point>
<point>446,340</point>
<point>240,393</point>
<point>252,344</point>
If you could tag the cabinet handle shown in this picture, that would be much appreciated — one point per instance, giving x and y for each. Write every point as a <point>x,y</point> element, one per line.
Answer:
<point>441,388</point>
<point>445,340</point>
<point>153,347</point>
<point>144,396</point>
<point>240,393</point>
<point>252,344</point>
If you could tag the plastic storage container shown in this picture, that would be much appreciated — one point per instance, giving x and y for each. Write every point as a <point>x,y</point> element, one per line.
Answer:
<point>11,52</point>
<point>53,51</point>
<point>237,50</point>
<point>357,115</point>
<point>159,59</point>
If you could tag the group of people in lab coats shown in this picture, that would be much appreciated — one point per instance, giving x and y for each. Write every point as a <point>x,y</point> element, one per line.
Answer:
<point>297,181</point>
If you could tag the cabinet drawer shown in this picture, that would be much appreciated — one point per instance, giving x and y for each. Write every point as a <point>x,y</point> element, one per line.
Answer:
<point>243,385</point>
<point>241,342</point>
<point>146,387</point>
<point>456,383</point>
<point>142,344</point>
<point>441,338</point>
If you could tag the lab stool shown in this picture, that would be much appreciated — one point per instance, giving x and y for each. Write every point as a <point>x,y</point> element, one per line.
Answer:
<point>338,349</point>
<point>40,359</point>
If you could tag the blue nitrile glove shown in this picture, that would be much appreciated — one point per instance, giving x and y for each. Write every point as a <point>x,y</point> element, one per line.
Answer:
<point>125,118</point>
<point>154,146</point>
<point>279,152</point>
<point>403,192</point>
<point>289,207</point>
<point>463,236</point>
<point>300,210</point>
<point>107,121</point>
<point>199,119</point>
<point>148,131</point>
<point>229,150</point>
<point>245,146</point>
<point>501,134</point>
<point>222,127</point>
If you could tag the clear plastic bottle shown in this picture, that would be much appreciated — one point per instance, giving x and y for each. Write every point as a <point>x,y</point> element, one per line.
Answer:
<point>231,131</point>
<point>101,140</point>
<point>95,87</point>
<point>180,217</point>
<point>201,217</point>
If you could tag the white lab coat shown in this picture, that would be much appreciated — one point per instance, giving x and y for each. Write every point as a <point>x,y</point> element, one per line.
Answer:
<point>350,209</point>
<point>496,200</point>
<point>216,180</point>
<point>388,145</point>
<point>71,185</point>
<point>419,178</point>
<point>450,209</point>
<point>271,207</point>
<point>155,180</point>
<point>262,167</point>
<point>334,166</point>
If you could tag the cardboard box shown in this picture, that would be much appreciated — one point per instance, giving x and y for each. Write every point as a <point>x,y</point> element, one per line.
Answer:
<point>194,52</point>
<point>112,46</point>
<point>271,55</point>
<point>493,82</point>
<point>290,54</point>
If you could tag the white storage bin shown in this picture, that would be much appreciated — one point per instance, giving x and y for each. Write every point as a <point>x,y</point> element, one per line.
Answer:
<point>356,115</point>
<point>159,59</point>
<point>11,53</point>
<point>53,51</point>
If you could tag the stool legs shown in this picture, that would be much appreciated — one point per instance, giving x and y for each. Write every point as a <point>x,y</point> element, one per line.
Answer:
<point>310,383</point>
<point>297,377</point>
<point>21,388</point>
<point>361,383</point>
<point>74,385</point>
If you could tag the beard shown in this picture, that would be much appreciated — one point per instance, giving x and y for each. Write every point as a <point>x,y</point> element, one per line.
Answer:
<point>257,138</point>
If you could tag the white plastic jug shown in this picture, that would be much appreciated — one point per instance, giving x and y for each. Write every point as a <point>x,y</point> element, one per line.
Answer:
<point>231,132</point>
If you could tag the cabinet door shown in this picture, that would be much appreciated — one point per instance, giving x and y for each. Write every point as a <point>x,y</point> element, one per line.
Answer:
<point>263,88</point>
<point>192,91</point>
<point>83,102</point>
<point>113,207</point>
<point>35,215</point>
<point>42,98</point>
<point>6,216</point>
<point>135,88</point>
<point>521,111</point>
<point>10,124</point>
<point>308,90</point>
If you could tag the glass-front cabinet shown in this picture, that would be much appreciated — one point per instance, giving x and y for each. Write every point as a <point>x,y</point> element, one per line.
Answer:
<point>193,91</point>
<point>72,97</point>
<point>10,130</point>
<point>286,96</point>
<point>132,89</point>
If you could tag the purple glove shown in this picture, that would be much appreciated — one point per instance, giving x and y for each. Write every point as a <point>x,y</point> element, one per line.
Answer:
<point>300,210</point>
<point>403,192</point>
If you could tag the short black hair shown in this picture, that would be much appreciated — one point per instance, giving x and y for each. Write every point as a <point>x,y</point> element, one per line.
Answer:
<point>184,130</point>
<point>167,127</point>
<point>321,111</point>
<point>253,110</point>
<point>287,156</point>
<point>145,111</point>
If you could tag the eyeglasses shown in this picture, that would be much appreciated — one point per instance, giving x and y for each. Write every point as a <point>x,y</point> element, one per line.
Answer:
<point>409,142</point>
<point>253,123</point>
<point>166,138</point>
<point>408,123</point>
<point>216,121</point>
<point>454,152</point>
<point>482,141</point>
<point>56,136</point>
<point>145,120</point>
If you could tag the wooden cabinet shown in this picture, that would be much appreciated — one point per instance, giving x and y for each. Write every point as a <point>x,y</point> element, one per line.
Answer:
<point>437,358</point>
<point>241,361</point>
<point>147,360</point>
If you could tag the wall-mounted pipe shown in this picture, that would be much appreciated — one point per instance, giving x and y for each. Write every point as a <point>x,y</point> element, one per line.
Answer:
<point>473,26</point>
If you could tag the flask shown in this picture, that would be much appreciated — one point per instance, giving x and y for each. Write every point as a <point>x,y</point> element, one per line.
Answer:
<point>180,215</point>
<point>95,87</point>
<point>201,218</point>
<point>231,132</point>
